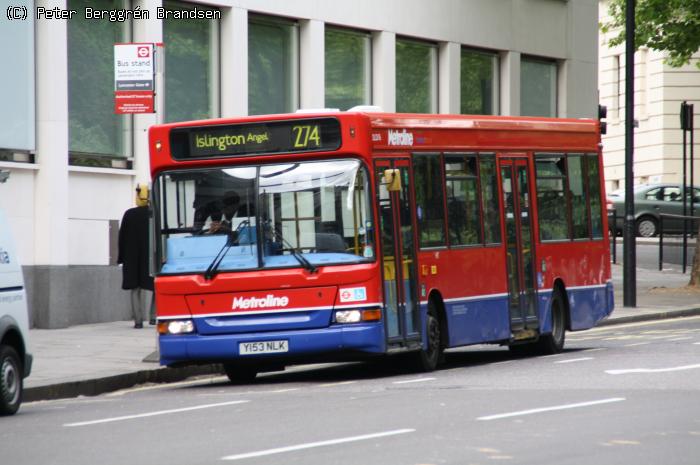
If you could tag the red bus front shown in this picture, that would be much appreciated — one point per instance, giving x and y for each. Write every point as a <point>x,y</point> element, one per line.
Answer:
<point>264,259</point>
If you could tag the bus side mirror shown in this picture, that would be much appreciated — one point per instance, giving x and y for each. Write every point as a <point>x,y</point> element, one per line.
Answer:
<point>392,180</point>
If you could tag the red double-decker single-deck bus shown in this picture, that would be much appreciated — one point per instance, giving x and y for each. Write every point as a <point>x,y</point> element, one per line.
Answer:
<point>341,236</point>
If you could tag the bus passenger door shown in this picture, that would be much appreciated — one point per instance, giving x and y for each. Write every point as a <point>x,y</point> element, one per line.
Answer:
<point>401,310</point>
<point>520,257</point>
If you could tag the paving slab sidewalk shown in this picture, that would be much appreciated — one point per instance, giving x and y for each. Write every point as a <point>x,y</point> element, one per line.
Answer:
<point>97,358</point>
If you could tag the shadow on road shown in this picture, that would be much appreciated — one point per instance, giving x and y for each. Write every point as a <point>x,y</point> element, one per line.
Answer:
<point>379,368</point>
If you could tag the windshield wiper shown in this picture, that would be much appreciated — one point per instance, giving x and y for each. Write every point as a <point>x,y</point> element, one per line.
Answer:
<point>213,268</point>
<point>296,253</point>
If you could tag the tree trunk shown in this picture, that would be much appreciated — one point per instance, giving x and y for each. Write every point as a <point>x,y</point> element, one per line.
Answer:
<point>695,270</point>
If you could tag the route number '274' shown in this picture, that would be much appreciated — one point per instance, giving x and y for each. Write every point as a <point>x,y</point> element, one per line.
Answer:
<point>306,136</point>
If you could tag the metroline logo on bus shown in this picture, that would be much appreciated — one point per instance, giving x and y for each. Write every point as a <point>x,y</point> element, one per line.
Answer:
<point>134,68</point>
<point>265,302</point>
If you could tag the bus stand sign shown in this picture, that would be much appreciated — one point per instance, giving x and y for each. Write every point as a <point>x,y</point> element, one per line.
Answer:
<point>134,67</point>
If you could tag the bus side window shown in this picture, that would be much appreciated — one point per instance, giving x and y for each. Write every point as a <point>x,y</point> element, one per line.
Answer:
<point>463,221</point>
<point>552,208</point>
<point>577,191</point>
<point>430,208</point>
<point>594,194</point>
<point>489,198</point>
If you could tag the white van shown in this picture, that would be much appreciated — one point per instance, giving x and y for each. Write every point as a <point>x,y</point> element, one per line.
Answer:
<point>15,359</point>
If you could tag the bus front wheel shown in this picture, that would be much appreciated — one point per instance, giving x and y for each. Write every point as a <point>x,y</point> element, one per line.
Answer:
<point>239,374</point>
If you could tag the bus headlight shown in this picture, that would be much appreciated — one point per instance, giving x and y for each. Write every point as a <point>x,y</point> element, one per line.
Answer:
<point>356,316</point>
<point>175,327</point>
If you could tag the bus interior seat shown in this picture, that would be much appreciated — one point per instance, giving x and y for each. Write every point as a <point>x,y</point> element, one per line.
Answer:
<point>247,235</point>
<point>330,242</point>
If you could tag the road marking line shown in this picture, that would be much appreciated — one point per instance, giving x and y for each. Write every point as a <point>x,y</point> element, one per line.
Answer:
<point>341,383</point>
<point>550,409</point>
<point>278,391</point>
<point>311,445</point>
<point>572,360</point>
<point>418,380</point>
<point>681,338</point>
<point>652,370</point>
<point>596,349</point>
<point>696,343</point>
<point>153,414</point>
<point>637,344</point>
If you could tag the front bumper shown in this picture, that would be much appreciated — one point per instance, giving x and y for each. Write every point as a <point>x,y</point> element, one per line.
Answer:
<point>303,344</point>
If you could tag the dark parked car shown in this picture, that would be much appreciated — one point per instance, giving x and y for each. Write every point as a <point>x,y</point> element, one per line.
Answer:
<point>650,200</point>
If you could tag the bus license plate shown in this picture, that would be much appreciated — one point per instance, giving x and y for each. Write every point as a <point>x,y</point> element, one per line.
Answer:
<point>263,347</point>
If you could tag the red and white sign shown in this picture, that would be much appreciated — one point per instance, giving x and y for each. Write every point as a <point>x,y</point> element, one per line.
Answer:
<point>134,68</point>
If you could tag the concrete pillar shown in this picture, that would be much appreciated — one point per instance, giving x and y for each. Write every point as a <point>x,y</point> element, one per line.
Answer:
<point>47,296</point>
<point>149,31</point>
<point>510,83</point>
<point>384,70</point>
<point>51,196</point>
<point>234,62</point>
<point>448,76</point>
<point>312,57</point>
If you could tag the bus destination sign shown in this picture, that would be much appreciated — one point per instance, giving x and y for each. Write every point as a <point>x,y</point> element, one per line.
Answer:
<point>308,135</point>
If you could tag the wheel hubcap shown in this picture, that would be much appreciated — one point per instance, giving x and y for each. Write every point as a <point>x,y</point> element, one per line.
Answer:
<point>10,381</point>
<point>646,228</point>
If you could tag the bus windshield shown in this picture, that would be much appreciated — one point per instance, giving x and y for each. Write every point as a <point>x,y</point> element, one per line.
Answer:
<point>306,214</point>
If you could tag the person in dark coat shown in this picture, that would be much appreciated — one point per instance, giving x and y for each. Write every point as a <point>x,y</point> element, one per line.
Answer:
<point>133,255</point>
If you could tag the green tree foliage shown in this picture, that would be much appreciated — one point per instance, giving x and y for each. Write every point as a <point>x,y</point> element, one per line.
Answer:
<point>672,26</point>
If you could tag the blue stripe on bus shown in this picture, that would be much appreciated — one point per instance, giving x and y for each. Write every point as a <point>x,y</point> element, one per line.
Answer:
<point>472,321</point>
<point>365,337</point>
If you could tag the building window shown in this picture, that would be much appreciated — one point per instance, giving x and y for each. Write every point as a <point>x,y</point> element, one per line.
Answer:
<point>416,77</point>
<point>478,83</point>
<point>96,134</point>
<point>17,117</point>
<point>538,87</point>
<point>191,56</point>
<point>348,68</point>
<point>430,208</point>
<point>618,90</point>
<point>273,66</point>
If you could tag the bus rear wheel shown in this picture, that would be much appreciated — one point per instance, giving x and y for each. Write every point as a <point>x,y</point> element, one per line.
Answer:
<point>429,357</point>
<point>239,374</point>
<point>553,343</point>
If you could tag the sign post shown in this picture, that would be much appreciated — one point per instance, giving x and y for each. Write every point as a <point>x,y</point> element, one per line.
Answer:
<point>134,88</point>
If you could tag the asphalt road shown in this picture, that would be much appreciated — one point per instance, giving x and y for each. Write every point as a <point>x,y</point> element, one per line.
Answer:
<point>620,394</point>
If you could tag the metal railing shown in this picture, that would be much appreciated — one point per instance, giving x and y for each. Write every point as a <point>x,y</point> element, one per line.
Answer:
<point>689,229</point>
<point>612,230</point>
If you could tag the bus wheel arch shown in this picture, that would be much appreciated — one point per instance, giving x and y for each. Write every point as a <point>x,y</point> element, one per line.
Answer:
<point>561,289</point>
<point>437,305</point>
<point>553,342</point>
<point>429,357</point>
